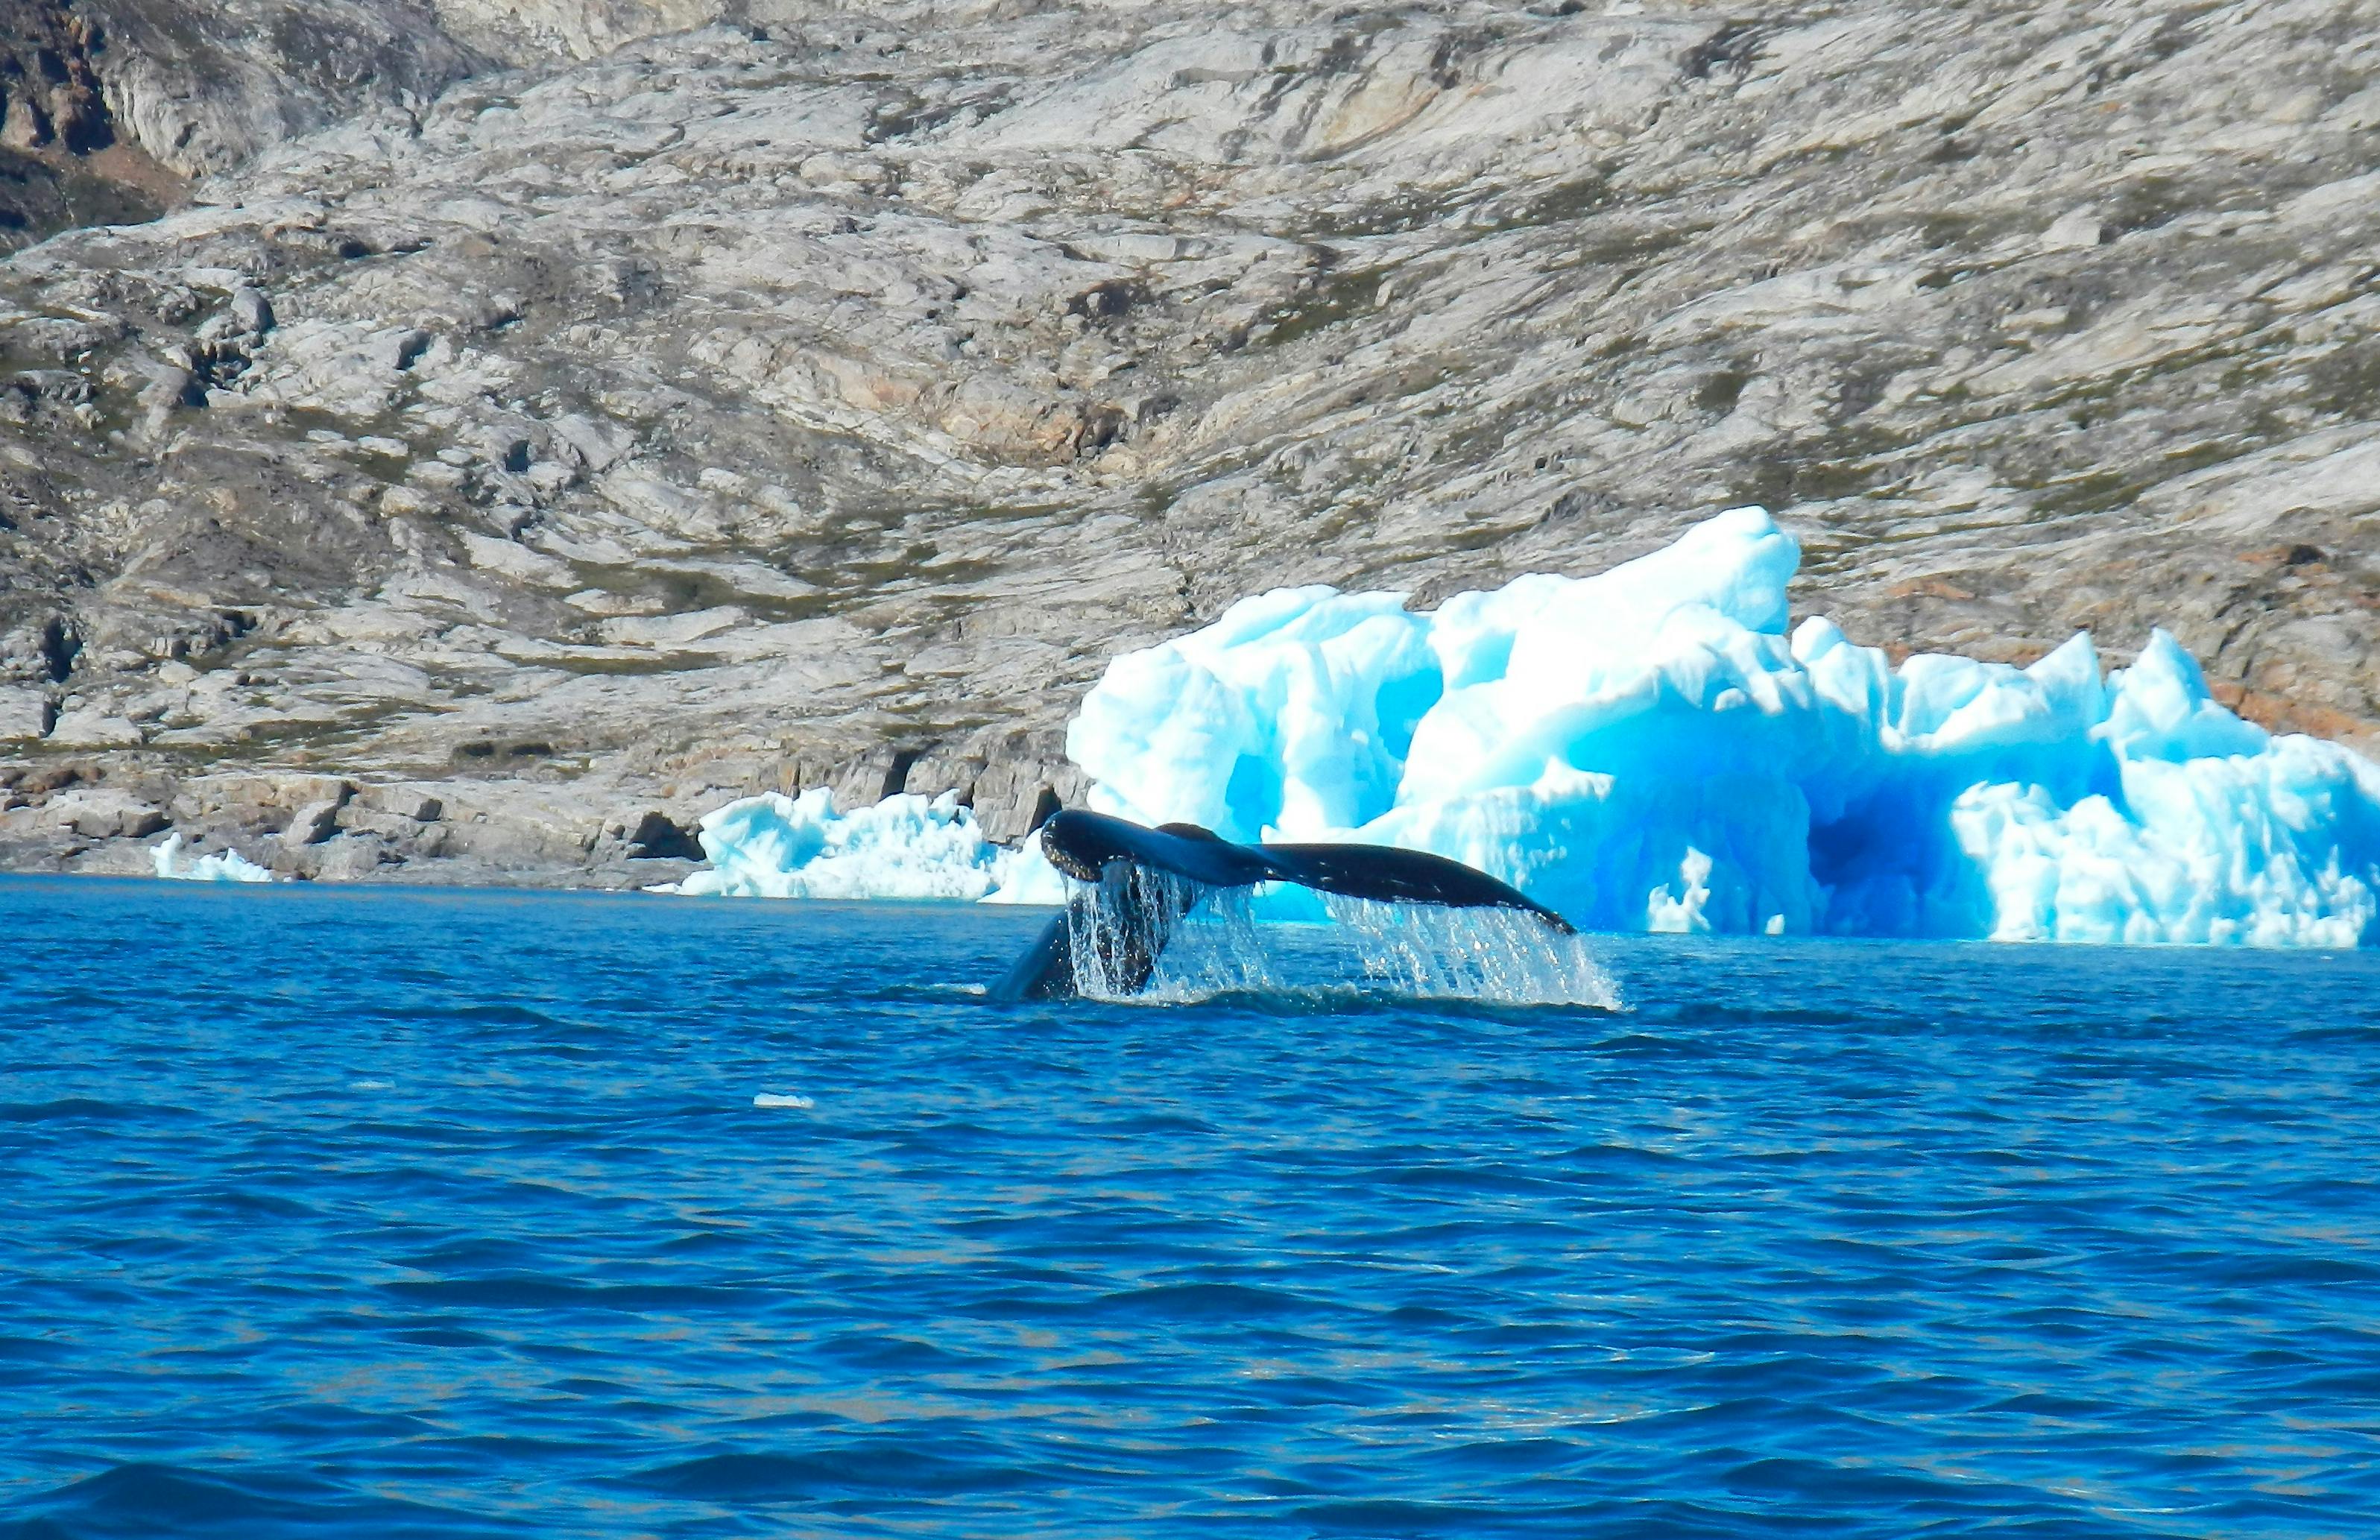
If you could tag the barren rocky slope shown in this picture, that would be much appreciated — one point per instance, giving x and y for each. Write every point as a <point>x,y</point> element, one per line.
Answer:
<point>827,396</point>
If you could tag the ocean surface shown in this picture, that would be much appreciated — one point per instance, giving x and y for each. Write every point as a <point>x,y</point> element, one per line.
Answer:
<point>385,1213</point>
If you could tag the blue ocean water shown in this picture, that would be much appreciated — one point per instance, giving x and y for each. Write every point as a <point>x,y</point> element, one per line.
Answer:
<point>384,1213</point>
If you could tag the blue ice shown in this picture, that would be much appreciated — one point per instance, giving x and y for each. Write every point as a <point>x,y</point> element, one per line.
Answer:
<point>1651,748</point>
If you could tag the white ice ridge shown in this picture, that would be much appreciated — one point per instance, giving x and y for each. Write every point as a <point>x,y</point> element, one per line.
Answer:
<point>1648,749</point>
<point>225,866</point>
<point>904,847</point>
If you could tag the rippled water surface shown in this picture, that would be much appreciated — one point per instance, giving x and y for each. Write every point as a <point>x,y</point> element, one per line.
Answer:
<point>385,1214</point>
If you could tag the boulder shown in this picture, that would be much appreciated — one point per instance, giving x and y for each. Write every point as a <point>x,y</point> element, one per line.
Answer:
<point>93,727</point>
<point>24,712</point>
<point>348,857</point>
<point>654,836</point>
<point>403,802</point>
<point>312,824</point>
<point>250,312</point>
<point>103,813</point>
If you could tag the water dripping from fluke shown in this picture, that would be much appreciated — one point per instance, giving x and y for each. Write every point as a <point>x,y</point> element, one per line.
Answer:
<point>1165,916</point>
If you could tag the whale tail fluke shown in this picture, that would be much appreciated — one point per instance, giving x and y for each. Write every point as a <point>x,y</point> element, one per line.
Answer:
<point>1140,884</point>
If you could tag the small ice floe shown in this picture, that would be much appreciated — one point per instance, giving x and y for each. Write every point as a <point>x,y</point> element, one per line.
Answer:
<point>783,1098</point>
<point>903,847</point>
<point>225,866</point>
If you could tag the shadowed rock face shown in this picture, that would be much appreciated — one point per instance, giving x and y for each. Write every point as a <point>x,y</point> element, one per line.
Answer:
<point>62,162</point>
<point>107,107</point>
<point>827,397</point>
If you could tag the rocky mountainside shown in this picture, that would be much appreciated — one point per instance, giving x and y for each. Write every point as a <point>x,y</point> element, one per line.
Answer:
<point>586,423</point>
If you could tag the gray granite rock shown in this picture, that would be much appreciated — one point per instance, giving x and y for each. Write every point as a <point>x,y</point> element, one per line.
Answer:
<point>25,714</point>
<point>311,824</point>
<point>104,813</point>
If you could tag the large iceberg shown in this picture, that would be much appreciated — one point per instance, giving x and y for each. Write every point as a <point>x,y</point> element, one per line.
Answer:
<point>1648,749</point>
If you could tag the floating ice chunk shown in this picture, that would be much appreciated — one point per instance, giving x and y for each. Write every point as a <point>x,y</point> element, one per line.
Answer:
<point>1648,748</point>
<point>225,866</point>
<point>903,847</point>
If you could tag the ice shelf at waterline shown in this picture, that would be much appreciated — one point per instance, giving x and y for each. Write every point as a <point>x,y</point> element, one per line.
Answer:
<point>1648,749</point>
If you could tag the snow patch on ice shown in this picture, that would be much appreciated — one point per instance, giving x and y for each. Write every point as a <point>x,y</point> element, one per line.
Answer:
<point>225,866</point>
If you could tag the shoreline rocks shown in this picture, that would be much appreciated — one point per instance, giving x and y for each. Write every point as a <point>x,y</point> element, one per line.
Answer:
<point>101,816</point>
